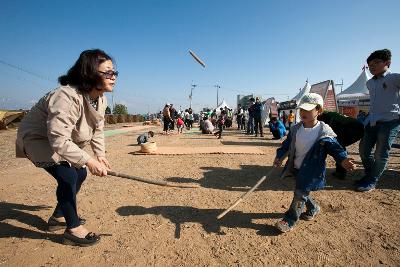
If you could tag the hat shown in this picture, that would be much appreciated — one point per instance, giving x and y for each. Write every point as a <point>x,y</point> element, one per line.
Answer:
<point>310,101</point>
<point>168,104</point>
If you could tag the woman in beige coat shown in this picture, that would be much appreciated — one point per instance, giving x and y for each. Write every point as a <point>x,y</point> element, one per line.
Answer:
<point>59,126</point>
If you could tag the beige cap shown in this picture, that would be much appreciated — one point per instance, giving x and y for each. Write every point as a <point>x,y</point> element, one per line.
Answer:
<point>310,101</point>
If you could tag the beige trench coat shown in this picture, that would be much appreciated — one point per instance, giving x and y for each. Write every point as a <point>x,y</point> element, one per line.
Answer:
<point>59,126</point>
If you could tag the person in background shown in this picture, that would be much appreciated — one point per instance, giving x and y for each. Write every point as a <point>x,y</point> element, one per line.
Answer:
<point>250,121</point>
<point>341,124</point>
<point>221,123</point>
<point>166,118</point>
<point>144,138</point>
<point>208,128</point>
<point>277,128</point>
<point>383,122</point>
<point>173,115</point>
<point>361,116</point>
<point>56,130</point>
<point>290,119</point>
<point>179,124</point>
<point>284,117</point>
<point>258,125</point>
<point>239,117</point>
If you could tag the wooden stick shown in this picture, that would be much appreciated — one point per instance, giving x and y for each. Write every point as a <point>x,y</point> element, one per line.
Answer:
<point>245,194</point>
<point>242,197</point>
<point>149,181</point>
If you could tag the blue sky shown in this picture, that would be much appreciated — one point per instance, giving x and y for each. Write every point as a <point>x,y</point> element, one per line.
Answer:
<point>264,47</point>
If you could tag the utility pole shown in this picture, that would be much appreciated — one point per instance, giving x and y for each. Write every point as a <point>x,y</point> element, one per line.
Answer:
<point>191,93</point>
<point>341,85</point>
<point>218,87</point>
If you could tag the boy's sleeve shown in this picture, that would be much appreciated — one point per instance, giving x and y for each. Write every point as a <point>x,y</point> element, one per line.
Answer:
<point>280,152</point>
<point>336,150</point>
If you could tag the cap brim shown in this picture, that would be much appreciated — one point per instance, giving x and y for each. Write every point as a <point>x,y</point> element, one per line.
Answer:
<point>307,106</point>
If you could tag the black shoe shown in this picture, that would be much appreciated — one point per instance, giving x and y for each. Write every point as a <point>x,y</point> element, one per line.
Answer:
<point>361,181</point>
<point>54,225</point>
<point>89,240</point>
<point>339,175</point>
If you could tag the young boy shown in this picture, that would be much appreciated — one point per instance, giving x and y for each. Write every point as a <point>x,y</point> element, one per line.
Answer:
<point>144,138</point>
<point>383,122</point>
<point>308,144</point>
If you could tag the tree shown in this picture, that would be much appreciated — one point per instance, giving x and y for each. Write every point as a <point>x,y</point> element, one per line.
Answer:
<point>108,110</point>
<point>120,109</point>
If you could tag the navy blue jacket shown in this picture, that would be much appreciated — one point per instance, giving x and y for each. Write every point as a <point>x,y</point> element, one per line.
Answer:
<point>257,110</point>
<point>311,175</point>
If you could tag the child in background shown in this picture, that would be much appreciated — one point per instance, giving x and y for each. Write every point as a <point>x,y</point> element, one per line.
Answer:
<point>221,123</point>
<point>382,125</point>
<point>144,138</point>
<point>179,124</point>
<point>308,144</point>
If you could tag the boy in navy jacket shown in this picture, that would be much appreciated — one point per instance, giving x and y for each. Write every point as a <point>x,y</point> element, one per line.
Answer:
<point>307,145</point>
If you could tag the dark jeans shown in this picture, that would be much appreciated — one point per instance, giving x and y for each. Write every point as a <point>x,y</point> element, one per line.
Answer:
<point>250,125</point>
<point>258,125</point>
<point>382,136</point>
<point>300,199</point>
<point>220,129</point>
<point>240,123</point>
<point>69,181</point>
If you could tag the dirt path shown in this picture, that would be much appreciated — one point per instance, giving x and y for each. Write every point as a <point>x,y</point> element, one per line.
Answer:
<point>151,225</point>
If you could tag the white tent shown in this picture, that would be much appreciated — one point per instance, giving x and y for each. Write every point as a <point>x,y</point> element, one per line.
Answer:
<point>304,91</point>
<point>298,97</point>
<point>222,105</point>
<point>269,107</point>
<point>358,90</point>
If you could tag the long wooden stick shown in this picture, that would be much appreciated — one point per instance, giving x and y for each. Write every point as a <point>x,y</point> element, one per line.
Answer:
<point>149,181</point>
<point>242,197</point>
<point>245,194</point>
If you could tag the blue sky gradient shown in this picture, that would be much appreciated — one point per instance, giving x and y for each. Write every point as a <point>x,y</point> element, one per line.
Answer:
<point>264,47</point>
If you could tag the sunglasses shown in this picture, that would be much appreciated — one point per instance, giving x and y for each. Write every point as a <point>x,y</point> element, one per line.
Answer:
<point>109,74</point>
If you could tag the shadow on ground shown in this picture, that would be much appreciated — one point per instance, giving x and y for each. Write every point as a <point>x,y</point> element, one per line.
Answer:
<point>244,178</point>
<point>180,215</point>
<point>19,212</point>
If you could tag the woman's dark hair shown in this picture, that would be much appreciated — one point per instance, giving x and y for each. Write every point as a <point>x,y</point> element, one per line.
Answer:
<point>84,73</point>
<point>384,55</point>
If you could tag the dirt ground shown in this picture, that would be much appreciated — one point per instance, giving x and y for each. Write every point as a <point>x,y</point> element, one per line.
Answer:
<point>151,225</point>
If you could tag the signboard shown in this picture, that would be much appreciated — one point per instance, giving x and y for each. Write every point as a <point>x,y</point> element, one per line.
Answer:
<point>287,105</point>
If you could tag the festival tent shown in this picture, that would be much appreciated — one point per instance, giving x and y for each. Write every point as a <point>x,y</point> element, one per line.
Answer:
<point>222,105</point>
<point>356,96</point>
<point>292,104</point>
<point>270,108</point>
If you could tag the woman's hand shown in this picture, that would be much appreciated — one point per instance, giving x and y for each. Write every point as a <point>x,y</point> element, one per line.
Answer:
<point>105,162</point>
<point>96,168</point>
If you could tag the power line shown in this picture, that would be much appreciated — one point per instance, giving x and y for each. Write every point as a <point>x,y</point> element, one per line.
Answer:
<point>27,71</point>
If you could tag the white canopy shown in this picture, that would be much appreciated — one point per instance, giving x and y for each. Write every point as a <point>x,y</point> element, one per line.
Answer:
<point>358,90</point>
<point>304,91</point>
<point>223,105</point>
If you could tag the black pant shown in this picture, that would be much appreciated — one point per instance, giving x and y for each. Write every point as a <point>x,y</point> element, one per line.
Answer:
<point>258,125</point>
<point>239,122</point>
<point>69,181</point>
<point>167,121</point>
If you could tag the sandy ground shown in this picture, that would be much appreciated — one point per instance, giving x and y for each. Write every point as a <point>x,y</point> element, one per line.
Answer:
<point>145,224</point>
